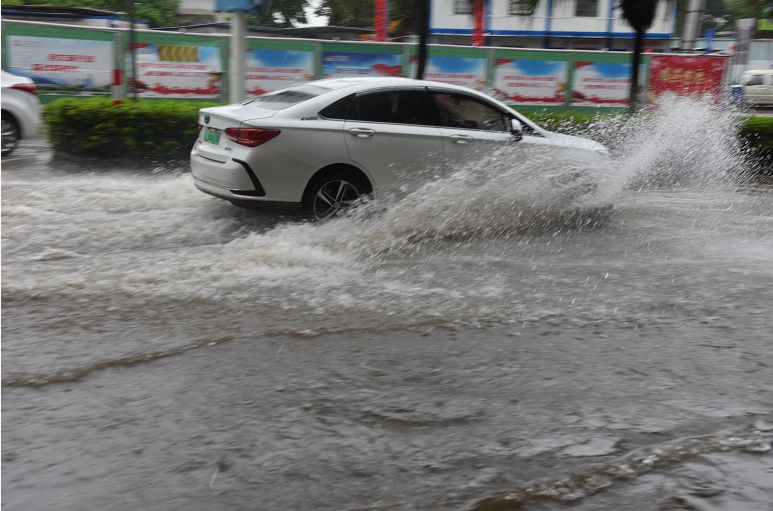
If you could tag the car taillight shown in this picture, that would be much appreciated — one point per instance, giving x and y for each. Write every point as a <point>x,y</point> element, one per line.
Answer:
<point>251,137</point>
<point>26,87</point>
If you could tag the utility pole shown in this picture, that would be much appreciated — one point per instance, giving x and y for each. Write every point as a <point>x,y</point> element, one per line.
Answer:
<point>423,20</point>
<point>236,68</point>
<point>238,50</point>
<point>692,23</point>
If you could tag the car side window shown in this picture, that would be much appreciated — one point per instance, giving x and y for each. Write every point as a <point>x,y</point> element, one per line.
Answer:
<point>754,80</point>
<point>461,111</point>
<point>338,109</point>
<point>396,107</point>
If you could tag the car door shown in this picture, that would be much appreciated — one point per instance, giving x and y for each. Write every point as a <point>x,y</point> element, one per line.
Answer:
<point>470,126</point>
<point>767,94</point>
<point>391,134</point>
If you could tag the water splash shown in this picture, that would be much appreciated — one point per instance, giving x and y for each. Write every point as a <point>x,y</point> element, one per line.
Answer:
<point>681,142</point>
<point>523,189</point>
<point>513,192</point>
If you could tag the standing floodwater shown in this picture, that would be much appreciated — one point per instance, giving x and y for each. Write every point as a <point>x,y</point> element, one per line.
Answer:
<point>473,343</point>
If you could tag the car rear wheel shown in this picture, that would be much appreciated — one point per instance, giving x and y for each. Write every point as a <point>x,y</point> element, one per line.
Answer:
<point>331,193</point>
<point>10,134</point>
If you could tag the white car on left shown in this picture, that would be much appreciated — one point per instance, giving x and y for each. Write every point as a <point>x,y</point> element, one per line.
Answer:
<point>21,110</point>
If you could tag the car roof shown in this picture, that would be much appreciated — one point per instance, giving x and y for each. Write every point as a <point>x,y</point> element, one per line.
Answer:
<point>374,82</point>
<point>342,87</point>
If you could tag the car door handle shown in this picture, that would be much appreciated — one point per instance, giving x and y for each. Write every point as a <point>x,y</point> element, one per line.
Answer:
<point>362,132</point>
<point>461,139</point>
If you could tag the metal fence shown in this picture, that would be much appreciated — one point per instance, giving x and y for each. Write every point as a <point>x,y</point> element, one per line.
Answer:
<point>68,61</point>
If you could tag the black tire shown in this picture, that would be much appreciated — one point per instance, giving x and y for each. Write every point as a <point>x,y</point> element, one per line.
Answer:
<point>330,192</point>
<point>10,133</point>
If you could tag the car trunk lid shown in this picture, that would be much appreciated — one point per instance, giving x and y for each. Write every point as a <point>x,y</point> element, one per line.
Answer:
<point>222,117</point>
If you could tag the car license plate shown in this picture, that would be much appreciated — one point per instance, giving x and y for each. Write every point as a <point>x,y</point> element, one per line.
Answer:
<point>212,136</point>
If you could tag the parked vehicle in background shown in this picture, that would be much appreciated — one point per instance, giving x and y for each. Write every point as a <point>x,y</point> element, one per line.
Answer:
<point>21,110</point>
<point>758,86</point>
<point>323,144</point>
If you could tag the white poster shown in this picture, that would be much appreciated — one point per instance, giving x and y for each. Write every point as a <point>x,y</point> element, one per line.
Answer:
<point>464,71</point>
<point>174,71</point>
<point>56,63</point>
<point>531,82</point>
<point>269,70</point>
<point>601,83</point>
<point>337,64</point>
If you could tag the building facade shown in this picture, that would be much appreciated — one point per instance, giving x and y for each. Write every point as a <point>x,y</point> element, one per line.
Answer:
<point>81,16</point>
<point>559,24</point>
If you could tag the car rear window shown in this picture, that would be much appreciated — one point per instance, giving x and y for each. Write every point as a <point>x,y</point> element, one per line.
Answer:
<point>284,98</point>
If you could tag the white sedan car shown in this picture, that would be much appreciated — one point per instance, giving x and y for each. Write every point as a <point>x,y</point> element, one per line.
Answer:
<point>324,144</point>
<point>21,110</point>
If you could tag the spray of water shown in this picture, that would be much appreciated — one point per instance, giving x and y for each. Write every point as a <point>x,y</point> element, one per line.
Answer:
<point>517,190</point>
<point>681,142</point>
<point>512,191</point>
<point>530,189</point>
<point>508,192</point>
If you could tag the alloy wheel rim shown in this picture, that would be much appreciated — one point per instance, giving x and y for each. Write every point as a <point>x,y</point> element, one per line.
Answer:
<point>9,135</point>
<point>334,196</point>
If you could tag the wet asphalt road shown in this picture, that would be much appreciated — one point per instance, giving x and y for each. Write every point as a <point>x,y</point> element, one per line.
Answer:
<point>164,350</point>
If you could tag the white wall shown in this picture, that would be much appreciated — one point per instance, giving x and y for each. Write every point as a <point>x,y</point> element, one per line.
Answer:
<point>562,19</point>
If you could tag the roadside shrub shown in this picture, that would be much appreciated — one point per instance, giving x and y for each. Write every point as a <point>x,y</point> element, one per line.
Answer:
<point>758,131</point>
<point>155,129</point>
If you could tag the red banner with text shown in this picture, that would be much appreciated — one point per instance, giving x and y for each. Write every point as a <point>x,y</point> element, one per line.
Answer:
<point>685,76</point>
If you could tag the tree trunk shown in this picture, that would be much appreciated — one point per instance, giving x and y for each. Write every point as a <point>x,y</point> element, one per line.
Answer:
<point>423,36</point>
<point>633,96</point>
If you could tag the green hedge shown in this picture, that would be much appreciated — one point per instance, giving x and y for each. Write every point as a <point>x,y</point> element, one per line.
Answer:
<point>569,121</point>
<point>155,129</point>
<point>758,131</point>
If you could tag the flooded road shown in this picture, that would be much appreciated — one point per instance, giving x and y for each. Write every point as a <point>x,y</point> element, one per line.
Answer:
<point>471,347</point>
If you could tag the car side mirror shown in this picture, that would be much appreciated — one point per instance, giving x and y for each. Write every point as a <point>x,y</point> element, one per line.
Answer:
<point>516,129</point>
